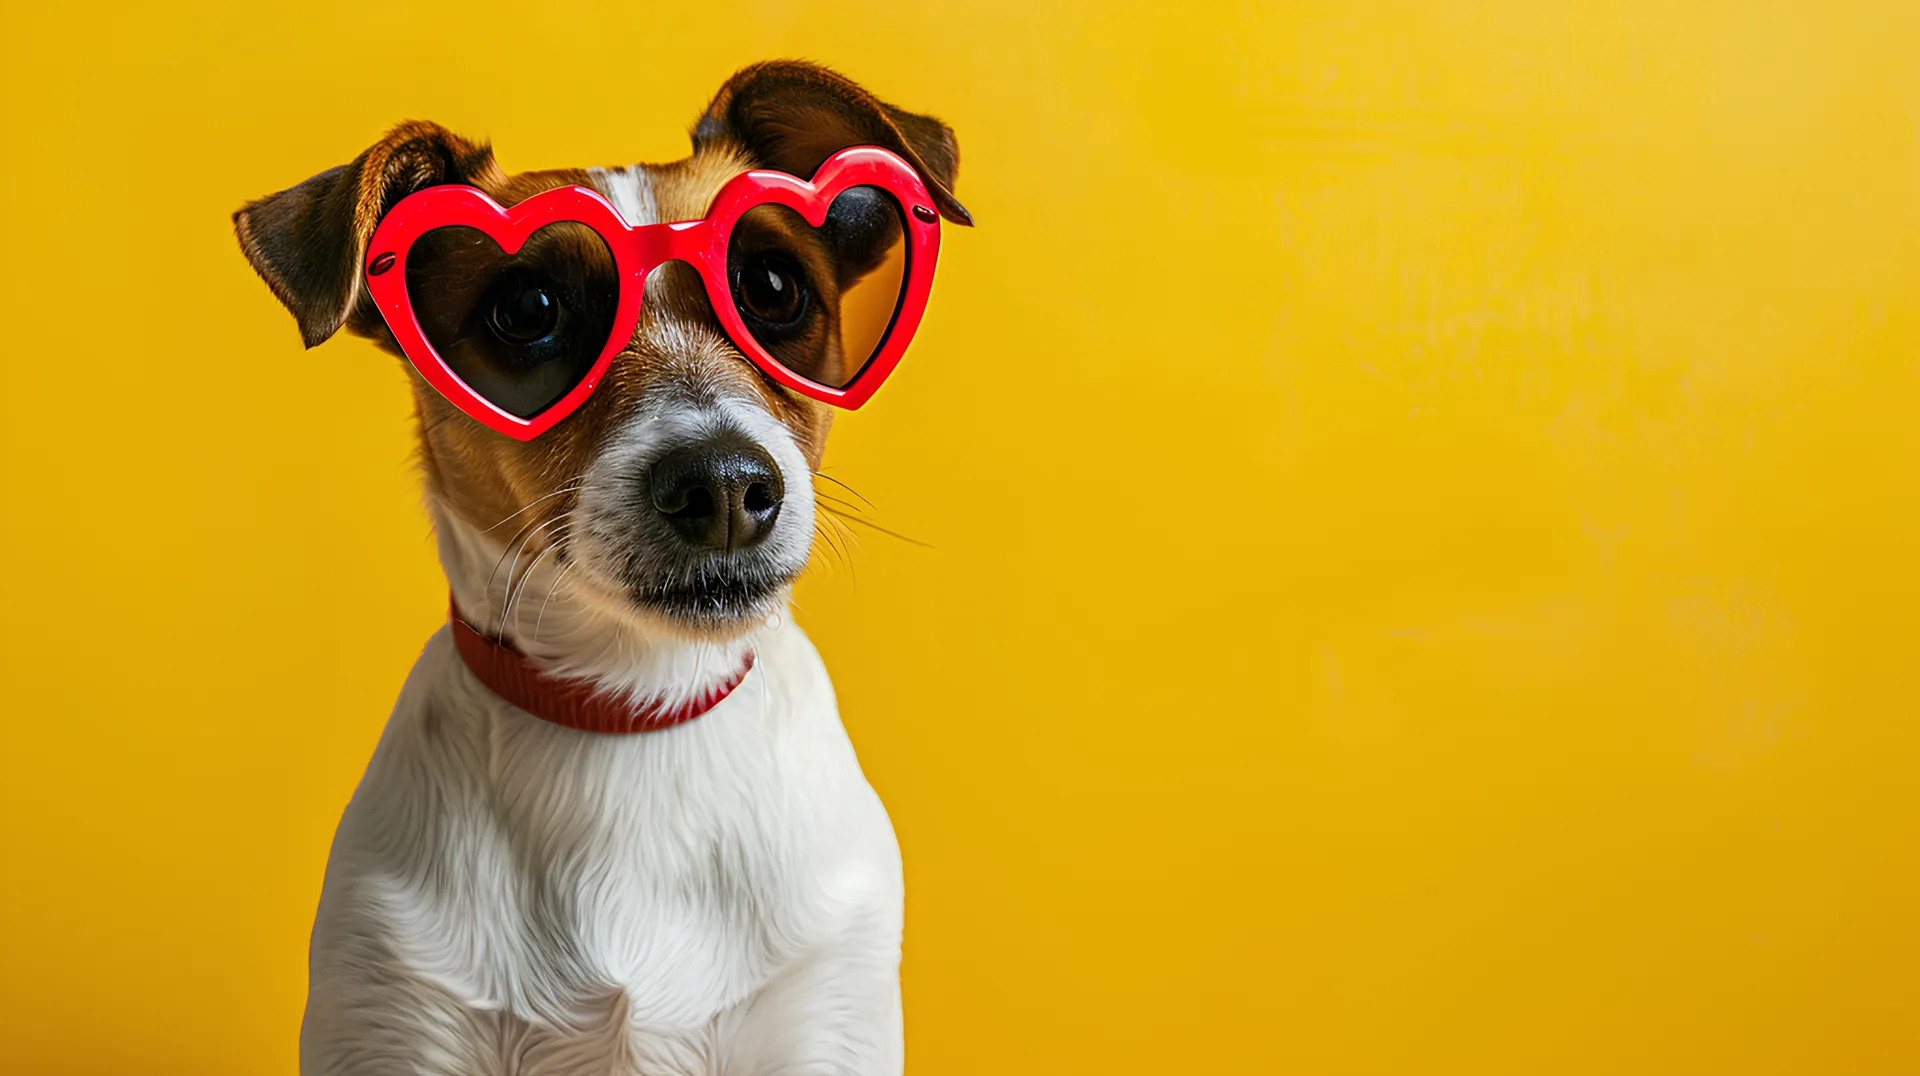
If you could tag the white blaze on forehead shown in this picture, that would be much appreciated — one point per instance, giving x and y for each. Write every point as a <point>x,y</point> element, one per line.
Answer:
<point>630,190</point>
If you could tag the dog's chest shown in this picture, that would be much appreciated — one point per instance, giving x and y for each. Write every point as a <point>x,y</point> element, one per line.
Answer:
<point>587,889</point>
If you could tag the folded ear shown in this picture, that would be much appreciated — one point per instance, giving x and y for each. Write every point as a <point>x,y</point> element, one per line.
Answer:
<point>793,115</point>
<point>307,242</point>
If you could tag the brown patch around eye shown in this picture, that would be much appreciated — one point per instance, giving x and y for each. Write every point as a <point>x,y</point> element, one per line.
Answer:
<point>771,244</point>
<point>521,329</point>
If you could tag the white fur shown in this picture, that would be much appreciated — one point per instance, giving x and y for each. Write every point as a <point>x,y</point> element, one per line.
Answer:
<point>630,190</point>
<point>509,896</point>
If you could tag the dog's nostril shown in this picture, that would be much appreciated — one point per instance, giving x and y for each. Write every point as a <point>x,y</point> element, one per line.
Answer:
<point>758,499</point>
<point>695,503</point>
<point>719,495</point>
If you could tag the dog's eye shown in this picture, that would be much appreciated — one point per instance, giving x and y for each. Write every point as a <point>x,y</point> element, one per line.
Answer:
<point>769,286</point>
<point>520,330</point>
<point>523,307</point>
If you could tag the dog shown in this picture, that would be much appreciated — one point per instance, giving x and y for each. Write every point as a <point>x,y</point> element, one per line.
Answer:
<point>507,894</point>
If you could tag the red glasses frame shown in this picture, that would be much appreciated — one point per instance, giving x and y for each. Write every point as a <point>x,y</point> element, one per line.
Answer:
<point>637,251</point>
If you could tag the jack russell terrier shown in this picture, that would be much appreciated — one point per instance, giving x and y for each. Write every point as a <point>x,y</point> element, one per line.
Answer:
<point>614,824</point>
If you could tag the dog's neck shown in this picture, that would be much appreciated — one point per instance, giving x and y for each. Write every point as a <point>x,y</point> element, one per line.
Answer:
<point>568,629</point>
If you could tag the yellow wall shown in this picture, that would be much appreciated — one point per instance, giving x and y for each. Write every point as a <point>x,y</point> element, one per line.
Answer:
<point>1423,499</point>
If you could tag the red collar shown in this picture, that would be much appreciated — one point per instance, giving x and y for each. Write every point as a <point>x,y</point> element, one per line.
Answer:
<point>507,673</point>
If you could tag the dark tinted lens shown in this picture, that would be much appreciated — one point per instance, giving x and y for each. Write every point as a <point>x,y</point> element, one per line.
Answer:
<point>523,329</point>
<point>821,300</point>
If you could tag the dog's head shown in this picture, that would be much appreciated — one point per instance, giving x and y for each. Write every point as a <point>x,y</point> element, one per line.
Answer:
<point>680,494</point>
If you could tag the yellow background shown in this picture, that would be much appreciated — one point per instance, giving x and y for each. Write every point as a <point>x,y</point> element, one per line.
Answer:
<point>1423,499</point>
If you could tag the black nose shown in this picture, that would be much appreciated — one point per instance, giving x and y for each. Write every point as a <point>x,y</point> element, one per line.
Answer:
<point>722,494</point>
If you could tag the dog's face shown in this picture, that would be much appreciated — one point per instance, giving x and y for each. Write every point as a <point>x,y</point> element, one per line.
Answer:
<point>681,492</point>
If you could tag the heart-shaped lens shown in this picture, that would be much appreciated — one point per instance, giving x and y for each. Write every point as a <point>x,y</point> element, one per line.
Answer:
<point>519,329</point>
<point>822,300</point>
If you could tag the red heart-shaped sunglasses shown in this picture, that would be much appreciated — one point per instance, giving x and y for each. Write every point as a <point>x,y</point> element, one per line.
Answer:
<point>515,314</point>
